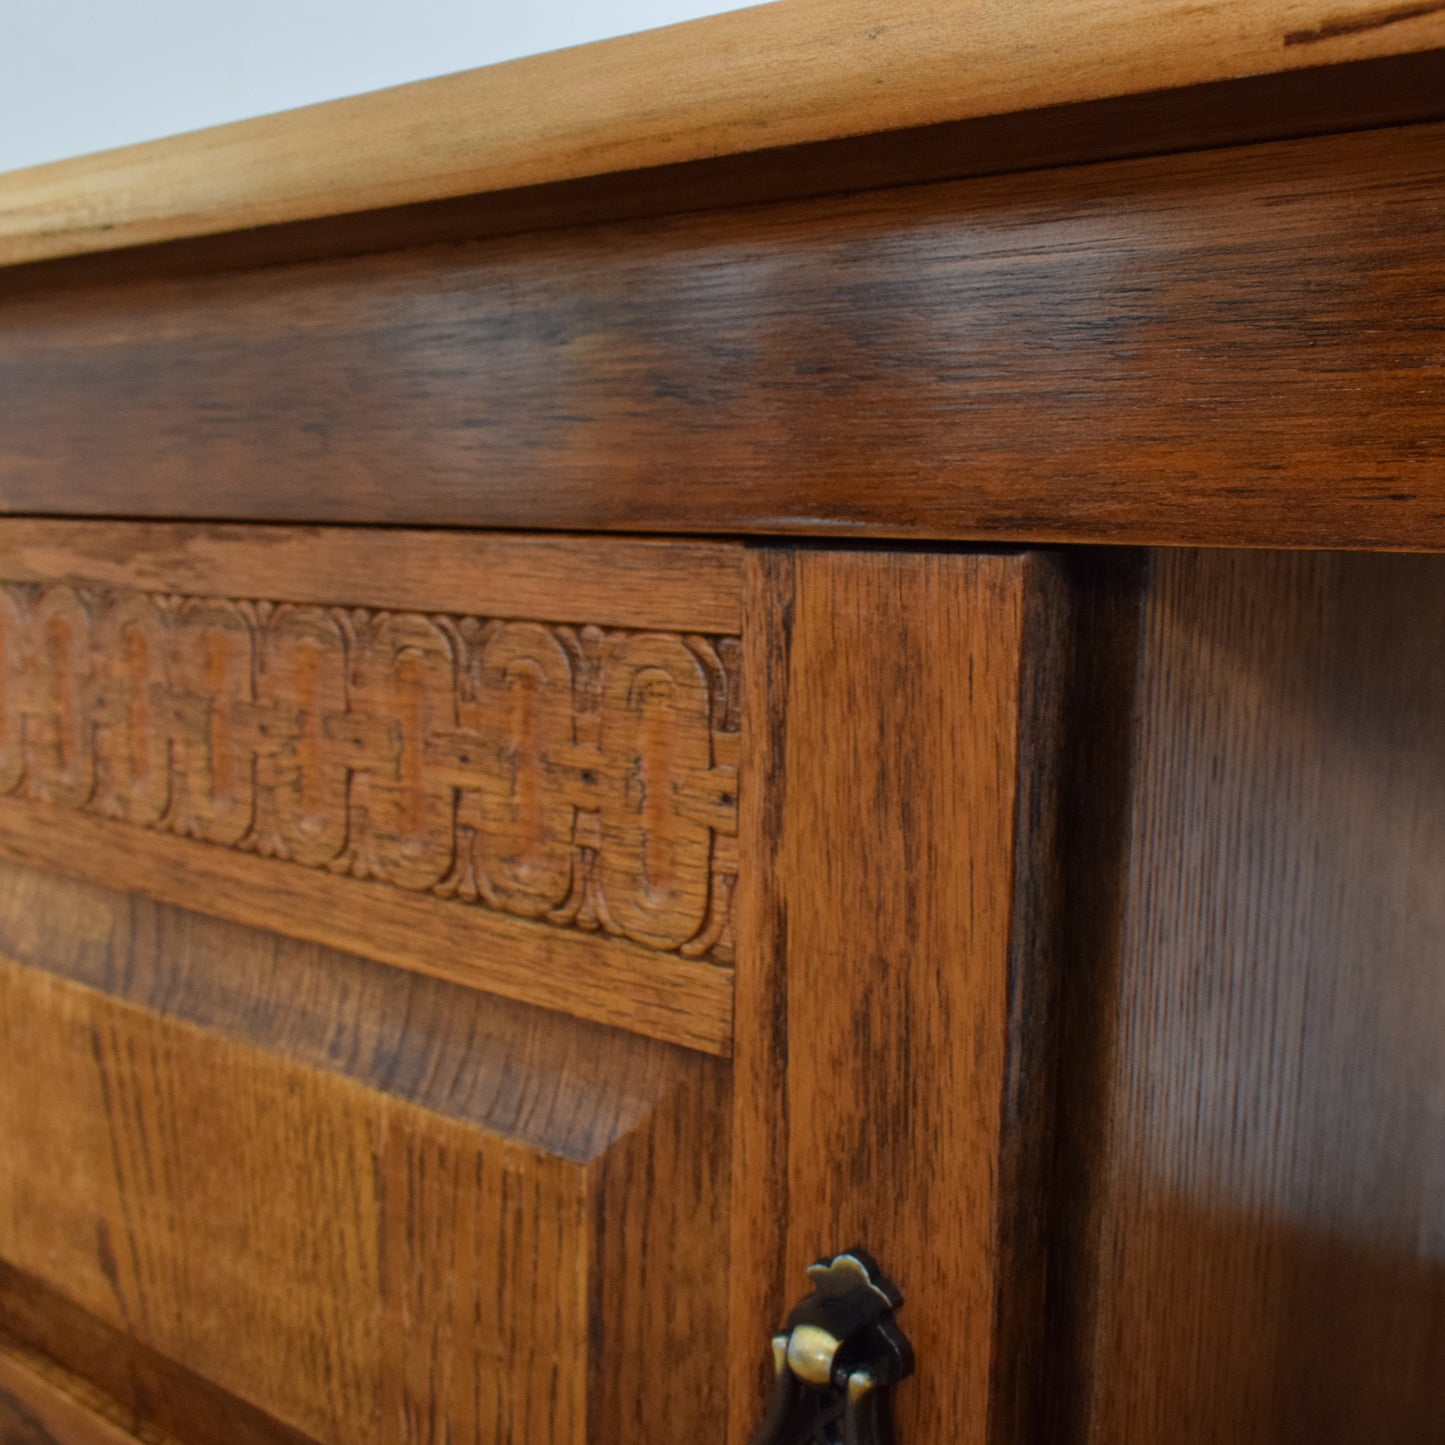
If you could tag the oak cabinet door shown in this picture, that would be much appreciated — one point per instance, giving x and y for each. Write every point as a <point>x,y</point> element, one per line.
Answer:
<point>452,985</point>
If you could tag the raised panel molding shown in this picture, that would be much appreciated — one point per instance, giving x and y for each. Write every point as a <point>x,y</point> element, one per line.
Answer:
<point>581,777</point>
<point>354,1206</point>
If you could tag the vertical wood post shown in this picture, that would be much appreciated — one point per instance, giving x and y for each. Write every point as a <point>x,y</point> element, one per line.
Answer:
<point>895,962</point>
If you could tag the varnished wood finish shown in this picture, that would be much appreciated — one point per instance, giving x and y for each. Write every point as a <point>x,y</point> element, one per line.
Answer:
<point>775,75</point>
<point>453,982</point>
<point>671,586</point>
<point>515,778</point>
<point>609,981</point>
<point>1321,100</point>
<point>758,1287</point>
<point>375,1206</point>
<point>896,951</point>
<point>1237,348</point>
<point>127,1381</point>
<point>1254,1098</point>
<point>42,1405</point>
<point>576,778</point>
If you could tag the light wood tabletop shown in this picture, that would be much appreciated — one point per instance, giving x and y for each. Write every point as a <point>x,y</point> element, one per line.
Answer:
<point>788,73</point>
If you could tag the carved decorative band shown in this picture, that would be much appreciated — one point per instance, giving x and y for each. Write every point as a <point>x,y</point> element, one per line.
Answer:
<point>580,777</point>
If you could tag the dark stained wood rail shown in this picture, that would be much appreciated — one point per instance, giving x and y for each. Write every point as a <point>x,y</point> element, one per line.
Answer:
<point>1234,347</point>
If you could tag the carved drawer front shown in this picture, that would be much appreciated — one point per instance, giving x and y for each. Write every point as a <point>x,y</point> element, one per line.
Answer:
<point>510,763</point>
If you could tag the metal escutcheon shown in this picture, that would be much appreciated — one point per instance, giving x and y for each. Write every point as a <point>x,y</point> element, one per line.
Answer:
<point>837,1358</point>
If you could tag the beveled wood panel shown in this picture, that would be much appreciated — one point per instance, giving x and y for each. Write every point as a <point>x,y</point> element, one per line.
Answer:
<point>897,955</point>
<point>378,1207</point>
<point>42,1405</point>
<point>1254,1097</point>
<point>461,790</point>
<point>768,76</point>
<point>124,1380</point>
<point>683,1001</point>
<point>1240,347</point>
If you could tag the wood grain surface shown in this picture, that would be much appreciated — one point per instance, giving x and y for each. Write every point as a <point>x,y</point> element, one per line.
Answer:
<point>151,1396</point>
<point>1235,348</point>
<point>605,980</point>
<point>1253,1089</point>
<point>1323,99</point>
<point>769,76</point>
<point>514,778</point>
<point>671,586</point>
<point>41,1404</point>
<point>892,1064</point>
<point>375,1206</point>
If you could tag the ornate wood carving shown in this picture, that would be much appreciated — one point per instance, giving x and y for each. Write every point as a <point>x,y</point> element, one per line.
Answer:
<point>586,778</point>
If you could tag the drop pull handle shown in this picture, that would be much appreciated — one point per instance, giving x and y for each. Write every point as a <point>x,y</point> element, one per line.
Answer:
<point>837,1359</point>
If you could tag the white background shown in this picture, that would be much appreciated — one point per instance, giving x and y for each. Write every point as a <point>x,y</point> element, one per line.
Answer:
<point>85,75</point>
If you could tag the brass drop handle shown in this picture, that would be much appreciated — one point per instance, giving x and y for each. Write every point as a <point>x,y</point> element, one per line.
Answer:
<point>836,1359</point>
